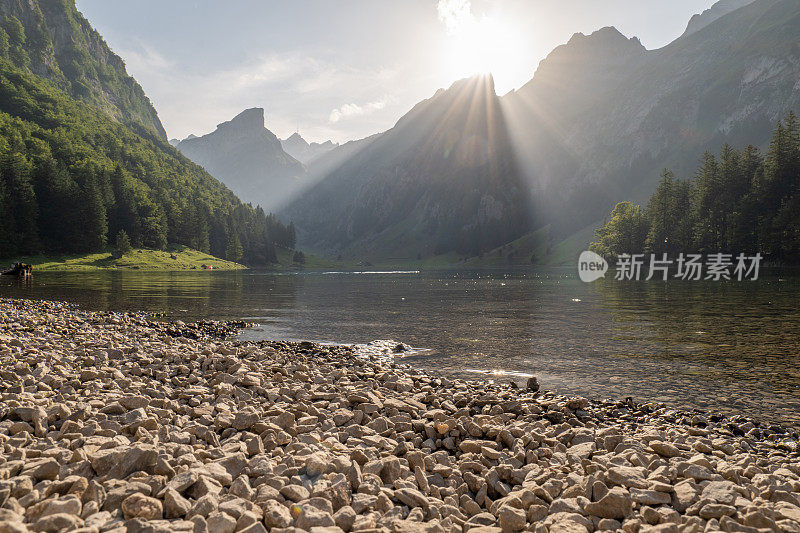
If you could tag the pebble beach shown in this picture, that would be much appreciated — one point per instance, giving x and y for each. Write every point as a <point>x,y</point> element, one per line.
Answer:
<point>116,422</point>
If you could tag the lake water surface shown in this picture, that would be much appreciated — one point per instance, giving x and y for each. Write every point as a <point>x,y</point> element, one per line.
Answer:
<point>723,346</point>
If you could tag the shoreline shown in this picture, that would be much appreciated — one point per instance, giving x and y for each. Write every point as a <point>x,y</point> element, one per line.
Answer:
<point>114,422</point>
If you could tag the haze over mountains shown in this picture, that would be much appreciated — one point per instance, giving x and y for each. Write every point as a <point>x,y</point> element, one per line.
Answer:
<point>466,170</point>
<point>248,158</point>
<point>84,159</point>
<point>595,125</point>
<point>304,151</point>
<point>442,180</point>
<point>252,161</point>
<point>602,116</point>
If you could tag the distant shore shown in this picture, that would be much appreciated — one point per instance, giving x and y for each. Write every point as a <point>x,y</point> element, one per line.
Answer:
<point>114,422</point>
<point>175,258</point>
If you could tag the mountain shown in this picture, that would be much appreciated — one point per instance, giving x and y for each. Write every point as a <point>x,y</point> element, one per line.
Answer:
<point>602,116</point>
<point>74,177</point>
<point>248,158</point>
<point>443,179</point>
<point>599,120</point>
<point>303,151</point>
<point>720,9</point>
<point>54,41</point>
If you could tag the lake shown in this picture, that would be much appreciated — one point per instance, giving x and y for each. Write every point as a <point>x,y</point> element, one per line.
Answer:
<point>723,346</point>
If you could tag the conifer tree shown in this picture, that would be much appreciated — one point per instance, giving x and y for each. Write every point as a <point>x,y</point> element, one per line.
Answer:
<point>123,242</point>
<point>94,222</point>
<point>233,252</point>
<point>22,205</point>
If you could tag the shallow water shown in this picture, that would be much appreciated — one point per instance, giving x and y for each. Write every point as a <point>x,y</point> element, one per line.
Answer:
<point>731,347</point>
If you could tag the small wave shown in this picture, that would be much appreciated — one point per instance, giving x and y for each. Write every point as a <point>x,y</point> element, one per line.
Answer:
<point>500,373</point>
<point>386,348</point>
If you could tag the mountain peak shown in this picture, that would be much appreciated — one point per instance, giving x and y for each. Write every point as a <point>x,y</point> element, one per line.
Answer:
<point>584,61</point>
<point>474,81</point>
<point>296,142</point>
<point>248,158</point>
<point>605,38</point>
<point>249,119</point>
<point>718,10</point>
<point>296,146</point>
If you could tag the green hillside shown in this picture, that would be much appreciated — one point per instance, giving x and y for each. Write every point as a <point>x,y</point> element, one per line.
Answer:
<point>71,179</point>
<point>54,41</point>
<point>175,258</point>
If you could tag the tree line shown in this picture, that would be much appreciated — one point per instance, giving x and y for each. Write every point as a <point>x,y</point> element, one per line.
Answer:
<point>738,202</point>
<point>71,179</point>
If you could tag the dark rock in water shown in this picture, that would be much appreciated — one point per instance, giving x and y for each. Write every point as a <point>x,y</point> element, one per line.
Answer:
<point>400,348</point>
<point>533,384</point>
<point>201,329</point>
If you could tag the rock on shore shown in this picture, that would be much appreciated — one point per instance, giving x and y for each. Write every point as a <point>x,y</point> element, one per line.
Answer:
<point>109,422</point>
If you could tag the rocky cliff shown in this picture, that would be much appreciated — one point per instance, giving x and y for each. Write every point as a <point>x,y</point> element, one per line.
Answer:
<point>248,158</point>
<point>443,179</point>
<point>59,44</point>
<point>720,9</point>
<point>602,116</point>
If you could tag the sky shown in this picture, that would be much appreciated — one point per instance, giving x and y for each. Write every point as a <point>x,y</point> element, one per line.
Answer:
<point>346,69</point>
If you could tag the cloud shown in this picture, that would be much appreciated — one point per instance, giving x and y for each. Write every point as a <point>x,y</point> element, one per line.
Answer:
<point>455,14</point>
<point>352,110</point>
<point>295,88</point>
<point>145,58</point>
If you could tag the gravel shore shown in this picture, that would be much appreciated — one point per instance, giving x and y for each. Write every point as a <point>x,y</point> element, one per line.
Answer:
<point>112,422</point>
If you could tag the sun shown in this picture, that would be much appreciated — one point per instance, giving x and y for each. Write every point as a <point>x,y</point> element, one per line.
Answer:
<point>485,45</point>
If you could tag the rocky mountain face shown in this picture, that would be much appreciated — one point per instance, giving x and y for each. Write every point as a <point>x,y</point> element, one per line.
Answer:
<point>59,44</point>
<point>304,151</point>
<point>602,116</point>
<point>599,120</point>
<point>720,9</point>
<point>443,179</point>
<point>248,158</point>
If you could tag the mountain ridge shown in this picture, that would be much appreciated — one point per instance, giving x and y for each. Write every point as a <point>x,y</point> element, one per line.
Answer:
<point>595,125</point>
<point>296,146</point>
<point>441,180</point>
<point>716,11</point>
<point>60,45</point>
<point>248,158</point>
<point>729,81</point>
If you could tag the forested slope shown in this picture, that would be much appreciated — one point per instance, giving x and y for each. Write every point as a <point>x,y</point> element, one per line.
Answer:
<point>70,177</point>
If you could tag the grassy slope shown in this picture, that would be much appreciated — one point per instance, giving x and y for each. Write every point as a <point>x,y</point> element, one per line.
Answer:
<point>515,254</point>
<point>313,262</point>
<point>566,252</point>
<point>520,252</point>
<point>137,259</point>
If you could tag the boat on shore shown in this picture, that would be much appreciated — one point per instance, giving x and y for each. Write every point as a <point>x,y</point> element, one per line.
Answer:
<point>19,269</point>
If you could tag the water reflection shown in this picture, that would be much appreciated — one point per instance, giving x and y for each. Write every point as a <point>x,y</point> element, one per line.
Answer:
<point>722,346</point>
